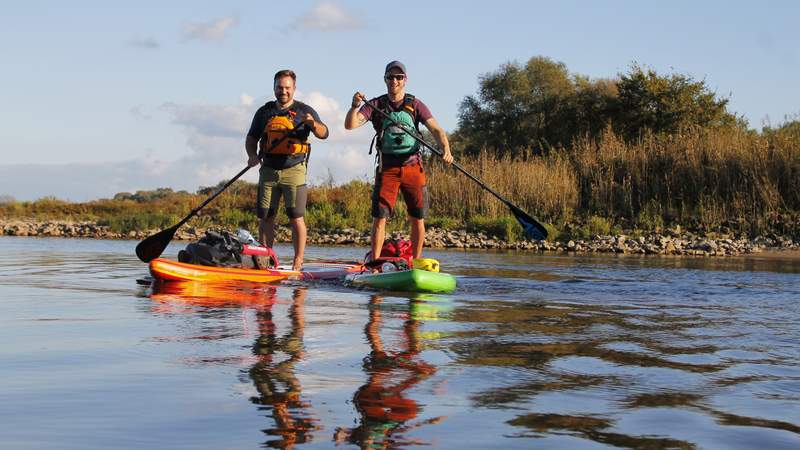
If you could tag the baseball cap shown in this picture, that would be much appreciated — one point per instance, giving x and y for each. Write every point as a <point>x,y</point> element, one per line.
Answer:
<point>396,64</point>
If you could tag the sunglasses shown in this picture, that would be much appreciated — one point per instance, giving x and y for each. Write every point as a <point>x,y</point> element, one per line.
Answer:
<point>398,77</point>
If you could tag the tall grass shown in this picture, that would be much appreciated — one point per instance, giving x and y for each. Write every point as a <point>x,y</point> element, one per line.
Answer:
<point>544,186</point>
<point>706,179</point>
<point>702,178</point>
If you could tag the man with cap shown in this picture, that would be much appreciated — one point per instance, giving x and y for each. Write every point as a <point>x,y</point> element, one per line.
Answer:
<point>399,161</point>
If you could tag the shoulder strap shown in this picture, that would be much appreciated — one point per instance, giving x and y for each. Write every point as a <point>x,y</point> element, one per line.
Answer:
<point>269,111</point>
<point>273,111</point>
<point>408,106</point>
<point>381,103</point>
<point>408,103</point>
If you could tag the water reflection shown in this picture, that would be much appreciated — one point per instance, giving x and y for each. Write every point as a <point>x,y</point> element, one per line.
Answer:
<point>608,370</point>
<point>385,408</point>
<point>274,354</point>
<point>273,375</point>
<point>186,296</point>
<point>587,367</point>
<point>592,428</point>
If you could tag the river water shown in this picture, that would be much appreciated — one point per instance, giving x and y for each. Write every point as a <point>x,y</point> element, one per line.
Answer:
<point>531,351</point>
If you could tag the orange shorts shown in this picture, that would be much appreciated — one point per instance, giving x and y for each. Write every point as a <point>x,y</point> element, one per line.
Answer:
<point>410,180</point>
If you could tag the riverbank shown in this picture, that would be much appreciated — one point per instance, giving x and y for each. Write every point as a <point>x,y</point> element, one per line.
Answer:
<point>665,243</point>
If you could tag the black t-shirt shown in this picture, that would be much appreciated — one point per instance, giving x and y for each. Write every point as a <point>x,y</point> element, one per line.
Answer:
<point>270,109</point>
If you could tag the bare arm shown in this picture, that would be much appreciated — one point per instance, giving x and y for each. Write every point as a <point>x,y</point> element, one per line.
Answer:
<point>354,118</point>
<point>441,138</point>
<point>251,146</point>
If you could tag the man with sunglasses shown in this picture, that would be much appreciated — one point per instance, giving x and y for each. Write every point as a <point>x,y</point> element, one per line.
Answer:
<point>399,162</point>
<point>280,129</point>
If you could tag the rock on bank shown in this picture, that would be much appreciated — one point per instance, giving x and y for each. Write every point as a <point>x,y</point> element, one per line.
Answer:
<point>668,243</point>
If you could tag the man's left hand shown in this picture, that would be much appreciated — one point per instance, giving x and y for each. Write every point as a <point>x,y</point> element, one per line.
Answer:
<point>308,120</point>
<point>447,156</point>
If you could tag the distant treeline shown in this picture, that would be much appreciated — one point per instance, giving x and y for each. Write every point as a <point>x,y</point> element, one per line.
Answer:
<point>639,152</point>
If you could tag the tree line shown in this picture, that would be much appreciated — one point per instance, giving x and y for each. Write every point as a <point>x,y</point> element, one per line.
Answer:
<point>540,105</point>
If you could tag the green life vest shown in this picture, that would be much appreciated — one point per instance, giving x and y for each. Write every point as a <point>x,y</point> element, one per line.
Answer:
<point>392,140</point>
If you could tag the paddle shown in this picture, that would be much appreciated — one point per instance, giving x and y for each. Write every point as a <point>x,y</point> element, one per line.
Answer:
<point>532,227</point>
<point>153,246</point>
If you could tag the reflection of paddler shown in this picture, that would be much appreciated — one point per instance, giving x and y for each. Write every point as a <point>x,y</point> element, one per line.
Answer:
<point>278,387</point>
<point>381,402</point>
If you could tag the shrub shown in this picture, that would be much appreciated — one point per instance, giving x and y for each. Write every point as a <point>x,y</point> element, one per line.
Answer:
<point>506,228</point>
<point>140,221</point>
<point>324,217</point>
<point>236,218</point>
<point>445,223</point>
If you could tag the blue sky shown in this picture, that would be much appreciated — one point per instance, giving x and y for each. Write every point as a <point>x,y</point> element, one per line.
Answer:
<point>102,97</point>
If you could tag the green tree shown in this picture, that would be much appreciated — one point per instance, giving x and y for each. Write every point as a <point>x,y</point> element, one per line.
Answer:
<point>518,107</point>
<point>593,107</point>
<point>667,104</point>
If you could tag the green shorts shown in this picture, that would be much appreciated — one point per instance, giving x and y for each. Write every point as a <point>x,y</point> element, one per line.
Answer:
<point>290,182</point>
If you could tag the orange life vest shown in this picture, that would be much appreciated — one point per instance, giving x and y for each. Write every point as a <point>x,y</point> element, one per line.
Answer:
<point>279,126</point>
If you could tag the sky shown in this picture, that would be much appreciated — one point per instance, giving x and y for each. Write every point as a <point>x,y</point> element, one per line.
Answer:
<point>100,97</point>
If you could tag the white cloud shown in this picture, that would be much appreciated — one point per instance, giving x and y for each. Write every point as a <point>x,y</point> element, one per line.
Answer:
<point>215,139</point>
<point>328,16</point>
<point>345,153</point>
<point>245,99</point>
<point>214,30</point>
<point>139,112</point>
<point>209,120</point>
<point>148,43</point>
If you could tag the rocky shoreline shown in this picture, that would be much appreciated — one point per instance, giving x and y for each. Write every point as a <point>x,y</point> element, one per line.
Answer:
<point>665,243</point>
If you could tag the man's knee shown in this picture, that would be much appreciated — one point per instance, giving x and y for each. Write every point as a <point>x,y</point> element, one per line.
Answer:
<point>265,214</point>
<point>296,204</point>
<point>295,213</point>
<point>417,213</point>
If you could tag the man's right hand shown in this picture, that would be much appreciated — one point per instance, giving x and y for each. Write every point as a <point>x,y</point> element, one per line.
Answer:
<point>354,118</point>
<point>253,160</point>
<point>358,97</point>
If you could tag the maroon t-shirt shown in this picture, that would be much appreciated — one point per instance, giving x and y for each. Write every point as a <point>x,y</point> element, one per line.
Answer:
<point>421,110</point>
<point>421,113</point>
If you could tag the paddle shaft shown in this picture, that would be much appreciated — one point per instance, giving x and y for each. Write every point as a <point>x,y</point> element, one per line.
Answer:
<point>209,199</point>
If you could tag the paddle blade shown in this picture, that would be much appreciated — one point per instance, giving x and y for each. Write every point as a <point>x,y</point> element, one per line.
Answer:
<point>532,227</point>
<point>153,246</point>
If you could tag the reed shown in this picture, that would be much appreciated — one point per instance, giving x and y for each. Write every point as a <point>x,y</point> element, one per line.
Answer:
<point>704,178</point>
<point>544,186</point>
